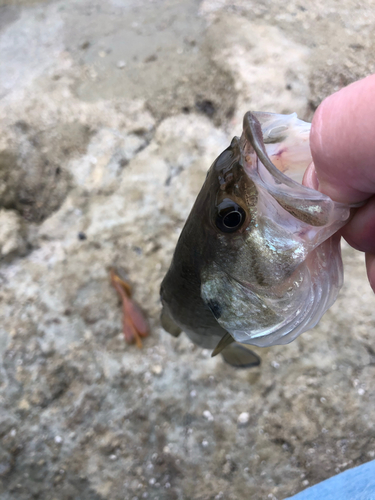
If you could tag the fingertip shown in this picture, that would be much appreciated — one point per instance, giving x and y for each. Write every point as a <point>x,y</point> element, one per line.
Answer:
<point>342,142</point>
<point>325,150</point>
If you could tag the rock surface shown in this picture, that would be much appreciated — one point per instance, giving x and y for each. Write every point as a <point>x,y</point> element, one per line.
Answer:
<point>110,115</point>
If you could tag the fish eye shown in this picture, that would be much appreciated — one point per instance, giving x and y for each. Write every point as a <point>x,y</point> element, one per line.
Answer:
<point>230,216</point>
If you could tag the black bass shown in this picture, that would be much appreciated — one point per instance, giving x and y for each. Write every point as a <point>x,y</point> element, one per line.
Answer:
<point>255,263</point>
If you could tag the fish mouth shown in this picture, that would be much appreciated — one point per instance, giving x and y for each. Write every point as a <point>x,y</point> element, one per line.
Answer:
<point>253,149</point>
<point>303,203</point>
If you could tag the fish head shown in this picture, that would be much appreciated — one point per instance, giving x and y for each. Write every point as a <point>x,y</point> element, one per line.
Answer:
<point>228,204</point>
<point>213,233</point>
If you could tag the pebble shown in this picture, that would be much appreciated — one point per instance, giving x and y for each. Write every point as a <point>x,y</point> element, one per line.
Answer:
<point>10,228</point>
<point>243,417</point>
<point>121,64</point>
<point>208,415</point>
<point>157,369</point>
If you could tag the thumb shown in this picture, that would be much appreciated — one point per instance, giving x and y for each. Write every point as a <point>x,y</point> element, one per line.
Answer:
<point>342,142</point>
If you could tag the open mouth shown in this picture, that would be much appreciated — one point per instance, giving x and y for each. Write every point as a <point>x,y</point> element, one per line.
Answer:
<point>284,139</point>
<point>293,156</point>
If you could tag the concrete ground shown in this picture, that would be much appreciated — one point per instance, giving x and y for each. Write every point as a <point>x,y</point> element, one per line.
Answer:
<point>110,115</point>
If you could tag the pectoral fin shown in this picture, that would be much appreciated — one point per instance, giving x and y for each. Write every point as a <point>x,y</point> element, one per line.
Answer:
<point>240,356</point>
<point>237,355</point>
<point>168,324</point>
<point>223,343</point>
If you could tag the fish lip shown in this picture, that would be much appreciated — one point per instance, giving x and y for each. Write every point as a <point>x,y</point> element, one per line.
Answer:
<point>249,158</point>
<point>252,144</point>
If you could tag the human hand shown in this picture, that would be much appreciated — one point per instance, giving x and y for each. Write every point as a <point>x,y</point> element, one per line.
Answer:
<point>342,142</point>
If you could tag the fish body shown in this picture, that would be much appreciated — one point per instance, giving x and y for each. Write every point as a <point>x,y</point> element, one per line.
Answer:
<point>255,263</point>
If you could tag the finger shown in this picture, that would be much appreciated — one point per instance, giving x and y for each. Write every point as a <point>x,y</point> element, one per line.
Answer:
<point>360,230</point>
<point>370,265</point>
<point>342,142</point>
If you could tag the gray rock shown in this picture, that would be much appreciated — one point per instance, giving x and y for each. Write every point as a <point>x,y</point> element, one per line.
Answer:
<point>100,167</point>
<point>11,240</point>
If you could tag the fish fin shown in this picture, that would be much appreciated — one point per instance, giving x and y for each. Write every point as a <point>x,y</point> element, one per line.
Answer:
<point>240,356</point>
<point>168,324</point>
<point>225,341</point>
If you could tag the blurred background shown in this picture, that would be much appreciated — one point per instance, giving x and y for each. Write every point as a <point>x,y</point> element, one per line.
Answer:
<point>110,115</point>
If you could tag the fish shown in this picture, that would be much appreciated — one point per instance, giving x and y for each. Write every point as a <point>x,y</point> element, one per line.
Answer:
<point>256,262</point>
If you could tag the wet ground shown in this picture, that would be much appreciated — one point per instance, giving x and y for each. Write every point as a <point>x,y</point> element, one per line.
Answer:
<point>110,114</point>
